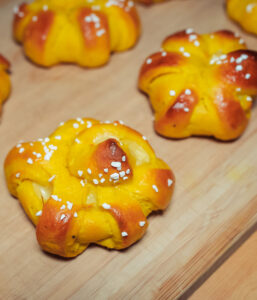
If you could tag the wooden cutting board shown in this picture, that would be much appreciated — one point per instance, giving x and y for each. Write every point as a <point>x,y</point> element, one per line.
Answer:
<point>215,200</point>
<point>236,278</point>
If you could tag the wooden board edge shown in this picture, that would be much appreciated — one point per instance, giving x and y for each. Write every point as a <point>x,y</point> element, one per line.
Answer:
<point>211,256</point>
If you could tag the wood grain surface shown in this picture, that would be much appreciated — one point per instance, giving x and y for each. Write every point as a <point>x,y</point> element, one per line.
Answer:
<point>215,200</point>
<point>236,278</point>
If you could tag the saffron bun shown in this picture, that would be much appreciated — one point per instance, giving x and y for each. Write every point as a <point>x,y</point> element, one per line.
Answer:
<point>201,84</point>
<point>81,32</point>
<point>88,182</point>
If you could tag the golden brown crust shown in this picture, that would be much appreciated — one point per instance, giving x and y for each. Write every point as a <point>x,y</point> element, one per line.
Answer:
<point>89,182</point>
<point>79,32</point>
<point>53,228</point>
<point>231,75</point>
<point>128,218</point>
<point>107,152</point>
<point>176,116</point>
<point>232,114</point>
<point>4,63</point>
<point>201,84</point>
<point>36,32</point>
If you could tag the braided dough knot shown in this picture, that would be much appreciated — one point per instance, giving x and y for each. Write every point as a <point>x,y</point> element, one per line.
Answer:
<point>201,85</point>
<point>83,32</point>
<point>89,182</point>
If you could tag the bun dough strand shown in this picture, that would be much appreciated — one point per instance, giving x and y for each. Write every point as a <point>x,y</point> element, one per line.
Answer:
<point>244,12</point>
<point>5,84</point>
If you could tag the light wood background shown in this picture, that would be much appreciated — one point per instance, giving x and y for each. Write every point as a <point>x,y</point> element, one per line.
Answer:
<point>215,200</point>
<point>236,278</point>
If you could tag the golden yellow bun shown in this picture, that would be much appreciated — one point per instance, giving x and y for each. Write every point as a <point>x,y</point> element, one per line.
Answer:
<point>89,182</point>
<point>5,84</point>
<point>82,32</point>
<point>201,85</point>
<point>244,12</point>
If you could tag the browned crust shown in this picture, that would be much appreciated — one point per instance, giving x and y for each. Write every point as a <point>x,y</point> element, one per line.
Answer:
<point>4,62</point>
<point>164,194</point>
<point>178,115</point>
<point>18,17</point>
<point>128,218</point>
<point>37,32</point>
<point>232,75</point>
<point>53,229</point>
<point>227,34</point>
<point>89,31</point>
<point>232,114</point>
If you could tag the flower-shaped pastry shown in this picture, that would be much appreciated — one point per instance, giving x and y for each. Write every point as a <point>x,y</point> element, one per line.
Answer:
<point>201,85</point>
<point>83,32</point>
<point>5,85</point>
<point>89,182</point>
<point>244,12</point>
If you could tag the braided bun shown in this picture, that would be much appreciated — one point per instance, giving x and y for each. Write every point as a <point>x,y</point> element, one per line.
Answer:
<point>82,32</point>
<point>89,182</point>
<point>201,85</point>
